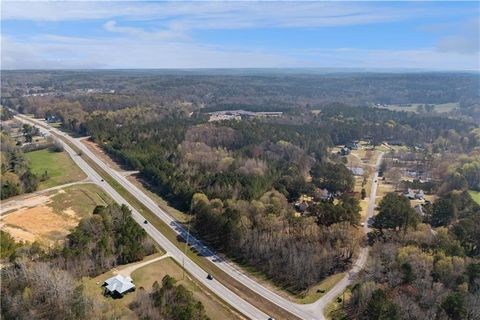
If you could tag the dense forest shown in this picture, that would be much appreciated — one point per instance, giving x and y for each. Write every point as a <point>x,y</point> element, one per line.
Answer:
<point>240,179</point>
<point>17,177</point>
<point>262,87</point>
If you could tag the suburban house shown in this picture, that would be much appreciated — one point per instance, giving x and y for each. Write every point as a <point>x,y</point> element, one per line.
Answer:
<point>357,171</point>
<point>353,145</point>
<point>52,119</point>
<point>323,194</point>
<point>118,285</point>
<point>415,194</point>
<point>419,195</point>
<point>419,210</point>
<point>344,151</point>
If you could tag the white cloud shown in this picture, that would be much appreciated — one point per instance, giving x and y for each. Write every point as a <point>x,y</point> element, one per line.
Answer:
<point>50,51</point>
<point>63,52</point>
<point>173,33</point>
<point>459,43</point>
<point>216,15</point>
<point>464,38</point>
<point>164,42</point>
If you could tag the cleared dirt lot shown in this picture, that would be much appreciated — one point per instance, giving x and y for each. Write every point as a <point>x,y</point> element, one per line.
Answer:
<point>48,218</point>
<point>39,223</point>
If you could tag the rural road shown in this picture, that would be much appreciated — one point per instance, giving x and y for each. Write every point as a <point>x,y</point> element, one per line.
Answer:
<point>303,311</point>
<point>129,269</point>
<point>341,285</point>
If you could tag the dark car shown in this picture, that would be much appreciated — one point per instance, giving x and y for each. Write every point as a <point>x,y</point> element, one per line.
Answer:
<point>209,277</point>
<point>146,222</point>
<point>103,180</point>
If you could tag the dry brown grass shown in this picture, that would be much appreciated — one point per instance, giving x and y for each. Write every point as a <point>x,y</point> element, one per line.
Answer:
<point>48,218</point>
<point>98,151</point>
<point>39,223</point>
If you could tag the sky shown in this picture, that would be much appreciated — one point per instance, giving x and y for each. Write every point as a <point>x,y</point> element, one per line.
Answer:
<point>430,35</point>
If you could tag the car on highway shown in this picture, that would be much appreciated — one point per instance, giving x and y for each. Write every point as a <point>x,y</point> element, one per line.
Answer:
<point>209,277</point>
<point>145,222</point>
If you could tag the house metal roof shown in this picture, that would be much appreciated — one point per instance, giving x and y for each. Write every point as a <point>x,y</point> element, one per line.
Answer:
<point>119,284</point>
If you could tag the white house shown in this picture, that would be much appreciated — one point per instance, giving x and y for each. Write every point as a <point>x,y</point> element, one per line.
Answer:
<point>357,171</point>
<point>118,285</point>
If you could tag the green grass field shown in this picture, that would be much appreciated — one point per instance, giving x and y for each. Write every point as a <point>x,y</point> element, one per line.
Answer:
<point>334,309</point>
<point>81,198</point>
<point>440,108</point>
<point>60,168</point>
<point>317,291</point>
<point>475,195</point>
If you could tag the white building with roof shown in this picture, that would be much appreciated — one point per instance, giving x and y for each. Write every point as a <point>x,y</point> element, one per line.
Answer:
<point>118,285</point>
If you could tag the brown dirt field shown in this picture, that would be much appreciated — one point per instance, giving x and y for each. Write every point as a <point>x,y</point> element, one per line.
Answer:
<point>39,223</point>
<point>49,216</point>
<point>24,202</point>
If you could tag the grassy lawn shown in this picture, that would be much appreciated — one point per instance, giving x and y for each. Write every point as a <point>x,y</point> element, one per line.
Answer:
<point>60,168</point>
<point>81,198</point>
<point>475,195</point>
<point>333,309</point>
<point>441,108</point>
<point>382,148</point>
<point>382,190</point>
<point>315,292</point>
<point>144,278</point>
